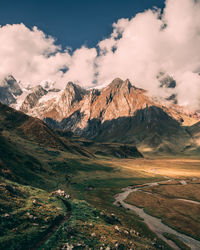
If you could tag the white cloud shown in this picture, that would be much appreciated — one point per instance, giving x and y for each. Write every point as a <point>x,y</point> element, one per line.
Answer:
<point>188,89</point>
<point>82,67</point>
<point>138,48</point>
<point>152,42</point>
<point>32,57</point>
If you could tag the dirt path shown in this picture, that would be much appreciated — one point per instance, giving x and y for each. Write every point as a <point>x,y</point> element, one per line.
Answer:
<point>154,223</point>
<point>51,231</point>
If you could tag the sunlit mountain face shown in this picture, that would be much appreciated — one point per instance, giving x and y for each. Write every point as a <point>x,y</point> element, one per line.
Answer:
<point>119,112</point>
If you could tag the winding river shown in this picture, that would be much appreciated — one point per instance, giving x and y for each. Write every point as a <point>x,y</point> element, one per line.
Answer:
<point>154,223</point>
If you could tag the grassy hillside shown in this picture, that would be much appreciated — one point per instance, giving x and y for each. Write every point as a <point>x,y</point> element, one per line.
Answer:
<point>35,164</point>
<point>35,161</point>
<point>26,214</point>
<point>16,125</point>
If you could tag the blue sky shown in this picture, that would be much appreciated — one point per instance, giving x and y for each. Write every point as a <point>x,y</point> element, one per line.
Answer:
<point>73,22</point>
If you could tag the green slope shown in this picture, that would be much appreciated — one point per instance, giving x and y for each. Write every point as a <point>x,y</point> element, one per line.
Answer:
<point>32,165</point>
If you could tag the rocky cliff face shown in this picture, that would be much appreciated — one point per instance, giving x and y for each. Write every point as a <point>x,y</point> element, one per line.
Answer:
<point>32,99</point>
<point>9,90</point>
<point>55,104</point>
<point>119,99</point>
<point>119,112</point>
<point>74,108</point>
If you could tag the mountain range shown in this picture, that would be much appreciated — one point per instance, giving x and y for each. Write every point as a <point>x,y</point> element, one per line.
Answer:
<point>117,113</point>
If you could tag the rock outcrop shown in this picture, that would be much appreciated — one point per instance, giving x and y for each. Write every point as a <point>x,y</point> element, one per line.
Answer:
<point>9,90</point>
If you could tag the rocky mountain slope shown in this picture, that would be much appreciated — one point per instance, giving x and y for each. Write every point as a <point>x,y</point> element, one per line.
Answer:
<point>9,90</point>
<point>119,112</point>
<point>15,125</point>
<point>120,98</point>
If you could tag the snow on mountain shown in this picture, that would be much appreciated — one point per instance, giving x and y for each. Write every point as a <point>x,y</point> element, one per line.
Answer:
<point>9,90</point>
<point>106,114</point>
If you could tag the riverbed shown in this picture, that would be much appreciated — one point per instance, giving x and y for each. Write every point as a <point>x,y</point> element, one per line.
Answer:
<point>155,224</point>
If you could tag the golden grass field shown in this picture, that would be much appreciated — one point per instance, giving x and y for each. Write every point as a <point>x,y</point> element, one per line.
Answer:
<point>162,201</point>
<point>167,167</point>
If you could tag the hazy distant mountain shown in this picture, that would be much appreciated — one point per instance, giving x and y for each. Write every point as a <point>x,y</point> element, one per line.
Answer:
<point>32,99</point>
<point>9,90</point>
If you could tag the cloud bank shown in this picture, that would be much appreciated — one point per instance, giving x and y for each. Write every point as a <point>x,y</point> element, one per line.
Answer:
<point>32,57</point>
<point>139,48</point>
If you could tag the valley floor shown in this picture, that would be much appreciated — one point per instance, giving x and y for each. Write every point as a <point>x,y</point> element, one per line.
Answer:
<point>97,223</point>
<point>170,201</point>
